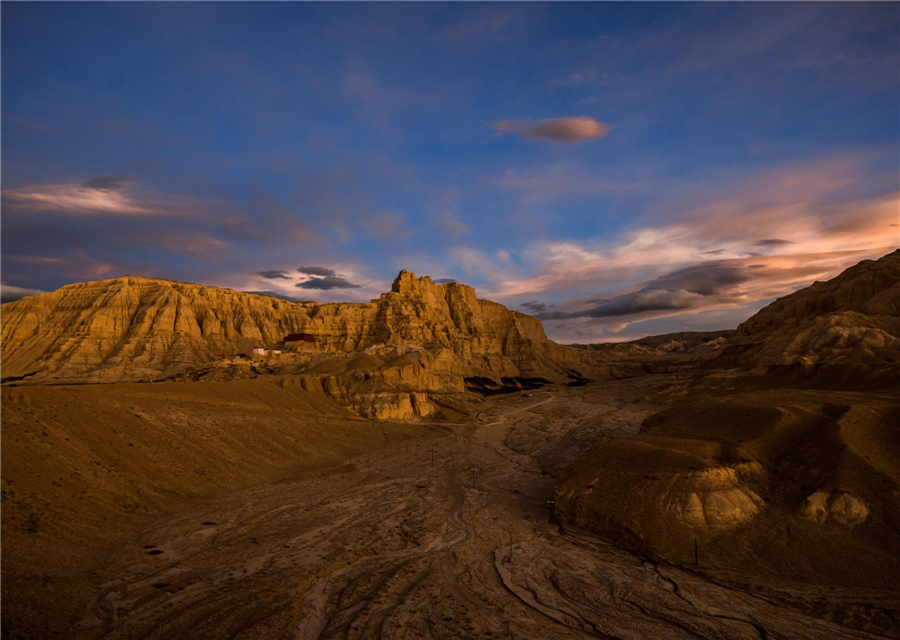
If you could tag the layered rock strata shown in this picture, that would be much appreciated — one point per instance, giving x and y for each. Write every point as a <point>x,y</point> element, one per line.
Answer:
<point>419,338</point>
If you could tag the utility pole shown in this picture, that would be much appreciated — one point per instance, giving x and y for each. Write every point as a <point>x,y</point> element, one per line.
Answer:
<point>696,553</point>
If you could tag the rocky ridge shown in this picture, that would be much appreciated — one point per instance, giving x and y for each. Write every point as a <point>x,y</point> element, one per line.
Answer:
<point>382,357</point>
<point>853,318</point>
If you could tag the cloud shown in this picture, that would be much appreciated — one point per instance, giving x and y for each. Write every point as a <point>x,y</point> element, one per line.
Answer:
<point>327,283</point>
<point>316,271</point>
<point>273,274</point>
<point>564,181</point>
<point>702,250</point>
<point>273,294</point>
<point>107,183</point>
<point>687,288</point>
<point>198,246</point>
<point>773,242</point>
<point>580,78</point>
<point>572,130</point>
<point>481,29</point>
<point>106,195</point>
<point>11,293</point>
<point>388,224</point>
<point>80,266</point>
<point>535,307</point>
<point>647,300</point>
<point>449,222</point>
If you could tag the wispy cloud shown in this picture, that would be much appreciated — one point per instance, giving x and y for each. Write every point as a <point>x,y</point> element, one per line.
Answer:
<point>449,222</point>
<point>79,266</point>
<point>11,293</point>
<point>388,224</point>
<point>774,242</point>
<point>567,130</point>
<point>107,183</point>
<point>581,78</point>
<point>566,181</point>
<point>198,246</point>
<point>480,29</point>
<point>757,238</point>
<point>103,196</point>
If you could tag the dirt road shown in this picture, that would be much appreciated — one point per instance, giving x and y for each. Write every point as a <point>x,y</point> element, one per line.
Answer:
<point>393,545</point>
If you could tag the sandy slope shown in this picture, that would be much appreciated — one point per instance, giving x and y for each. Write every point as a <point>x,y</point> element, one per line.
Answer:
<point>797,484</point>
<point>385,544</point>
<point>85,466</point>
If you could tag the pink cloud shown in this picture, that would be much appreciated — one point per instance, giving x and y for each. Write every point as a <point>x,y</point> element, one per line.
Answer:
<point>80,266</point>
<point>200,247</point>
<point>747,240</point>
<point>87,200</point>
<point>575,129</point>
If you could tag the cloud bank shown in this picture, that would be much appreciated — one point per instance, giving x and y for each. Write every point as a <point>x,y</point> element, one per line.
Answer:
<point>327,283</point>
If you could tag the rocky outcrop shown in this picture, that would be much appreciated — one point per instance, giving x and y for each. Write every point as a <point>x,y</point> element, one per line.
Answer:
<point>851,319</point>
<point>837,507</point>
<point>420,337</point>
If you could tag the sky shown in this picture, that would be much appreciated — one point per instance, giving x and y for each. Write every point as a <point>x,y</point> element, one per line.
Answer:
<point>617,169</point>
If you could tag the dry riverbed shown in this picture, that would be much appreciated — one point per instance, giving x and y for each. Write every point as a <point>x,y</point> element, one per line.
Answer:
<point>400,543</point>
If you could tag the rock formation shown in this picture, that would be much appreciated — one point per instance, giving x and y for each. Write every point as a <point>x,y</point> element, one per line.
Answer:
<point>418,338</point>
<point>851,319</point>
<point>801,479</point>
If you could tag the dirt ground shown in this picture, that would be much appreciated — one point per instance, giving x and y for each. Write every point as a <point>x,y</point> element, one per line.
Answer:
<point>390,545</point>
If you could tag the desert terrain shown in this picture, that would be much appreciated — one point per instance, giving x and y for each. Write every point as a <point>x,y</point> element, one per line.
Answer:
<point>451,473</point>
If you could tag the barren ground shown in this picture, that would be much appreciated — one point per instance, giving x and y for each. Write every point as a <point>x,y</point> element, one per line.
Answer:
<point>389,545</point>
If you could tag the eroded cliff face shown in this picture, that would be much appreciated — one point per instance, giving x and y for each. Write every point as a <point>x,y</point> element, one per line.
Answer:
<point>851,319</point>
<point>419,337</point>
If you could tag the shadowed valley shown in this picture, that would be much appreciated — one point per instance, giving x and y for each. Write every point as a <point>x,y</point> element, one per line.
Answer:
<point>181,460</point>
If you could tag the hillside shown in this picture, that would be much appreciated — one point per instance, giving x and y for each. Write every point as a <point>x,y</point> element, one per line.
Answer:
<point>419,338</point>
<point>798,483</point>
<point>851,319</point>
<point>87,467</point>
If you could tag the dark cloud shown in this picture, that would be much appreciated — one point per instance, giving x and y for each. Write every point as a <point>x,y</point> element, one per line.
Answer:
<point>107,183</point>
<point>316,271</point>
<point>679,290</point>
<point>445,280</point>
<point>11,293</point>
<point>704,279</point>
<point>274,294</point>
<point>756,266</point>
<point>327,283</point>
<point>714,253</point>
<point>646,300</point>
<point>774,242</point>
<point>274,274</point>
<point>534,306</point>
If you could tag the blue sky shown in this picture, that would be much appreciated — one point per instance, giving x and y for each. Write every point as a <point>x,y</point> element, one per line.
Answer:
<point>618,169</point>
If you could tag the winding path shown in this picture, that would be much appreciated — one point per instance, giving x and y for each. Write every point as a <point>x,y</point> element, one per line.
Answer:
<point>391,546</point>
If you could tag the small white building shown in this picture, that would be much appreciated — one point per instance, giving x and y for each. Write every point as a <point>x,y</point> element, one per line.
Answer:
<point>276,352</point>
<point>259,351</point>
